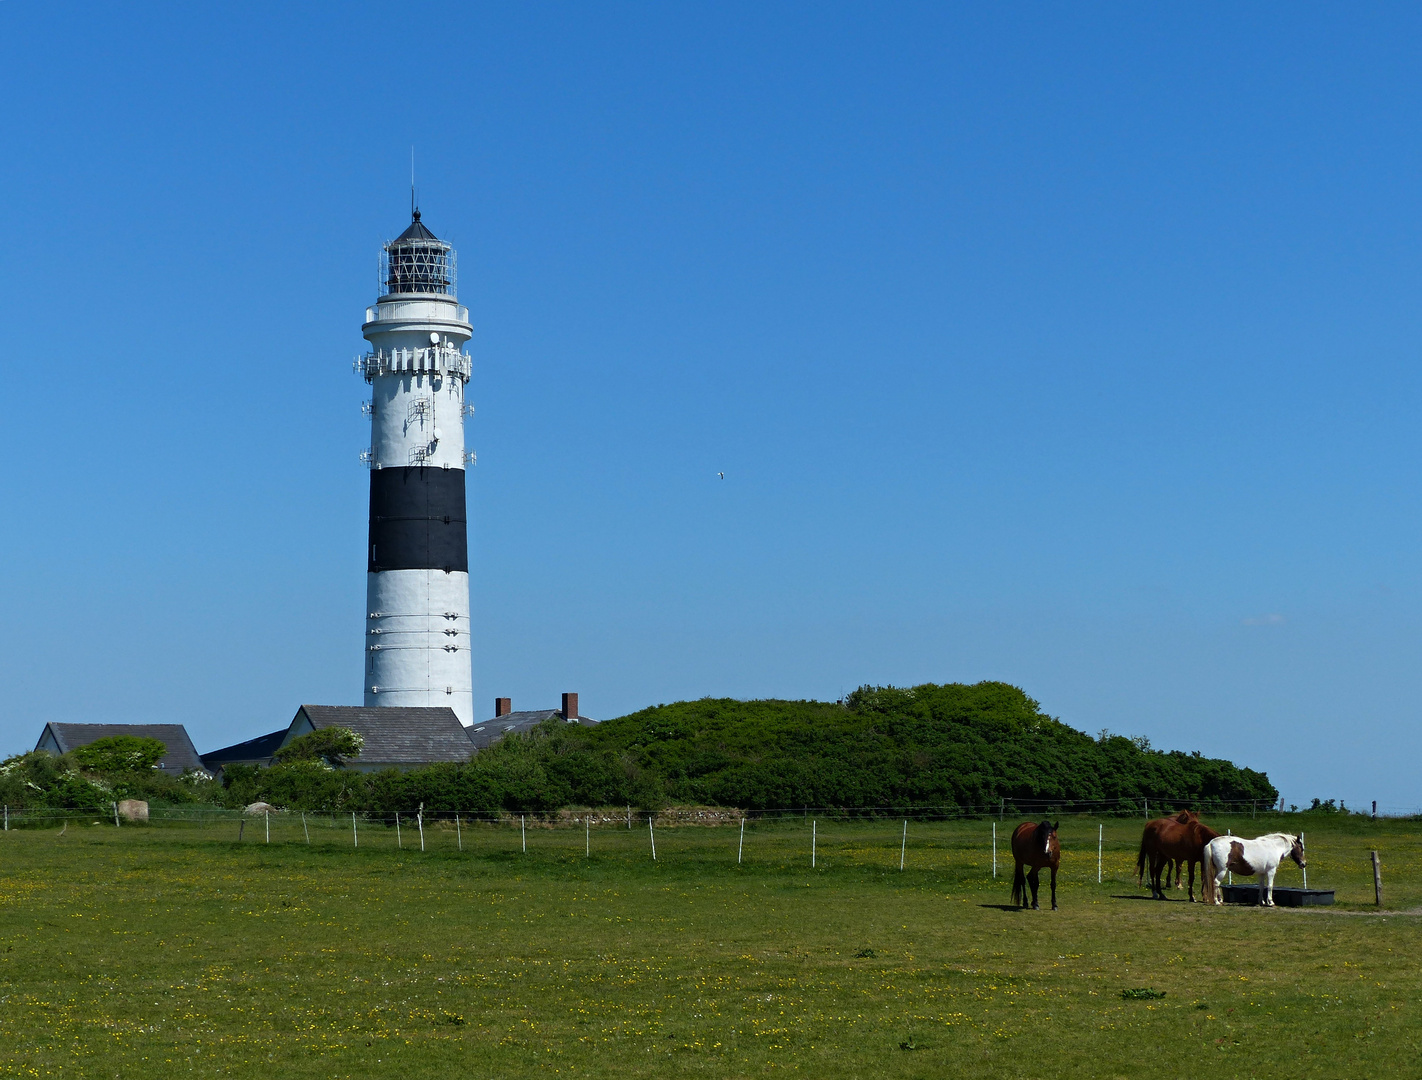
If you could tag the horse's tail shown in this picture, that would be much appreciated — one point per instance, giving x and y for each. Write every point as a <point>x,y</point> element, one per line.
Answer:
<point>1019,885</point>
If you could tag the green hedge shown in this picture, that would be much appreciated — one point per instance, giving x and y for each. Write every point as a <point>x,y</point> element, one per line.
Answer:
<point>929,746</point>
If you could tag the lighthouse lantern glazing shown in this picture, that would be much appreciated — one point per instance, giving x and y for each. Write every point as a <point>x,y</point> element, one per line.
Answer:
<point>417,572</point>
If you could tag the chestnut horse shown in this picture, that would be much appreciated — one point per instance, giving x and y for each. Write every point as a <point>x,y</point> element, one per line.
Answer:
<point>1034,845</point>
<point>1178,839</point>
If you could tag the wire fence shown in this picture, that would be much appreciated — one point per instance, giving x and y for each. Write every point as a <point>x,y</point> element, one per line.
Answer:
<point>25,817</point>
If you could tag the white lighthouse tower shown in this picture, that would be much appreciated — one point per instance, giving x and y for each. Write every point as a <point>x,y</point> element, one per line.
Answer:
<point>417,580</point>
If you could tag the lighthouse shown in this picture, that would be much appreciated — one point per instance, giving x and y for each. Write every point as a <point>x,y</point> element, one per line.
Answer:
<point>417,633</point>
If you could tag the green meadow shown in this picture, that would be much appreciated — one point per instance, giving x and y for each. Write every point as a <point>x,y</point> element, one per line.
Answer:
<point>170,950</point>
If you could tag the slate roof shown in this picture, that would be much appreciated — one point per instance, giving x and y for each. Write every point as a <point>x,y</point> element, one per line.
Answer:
<point>394,736</point>
<point>256,751</point>
<point>489,732</point>
<point>181,757</point>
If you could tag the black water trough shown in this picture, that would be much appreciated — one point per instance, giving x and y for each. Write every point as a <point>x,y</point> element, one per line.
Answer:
<point>1284,897</point>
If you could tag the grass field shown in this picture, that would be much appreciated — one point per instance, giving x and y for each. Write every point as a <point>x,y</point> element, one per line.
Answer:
<point>173,951</point>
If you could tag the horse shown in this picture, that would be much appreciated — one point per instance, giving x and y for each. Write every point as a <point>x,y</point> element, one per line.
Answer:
<point>1260,857</point>
<point>1179,839</point>
<point>1144,859</point>
<point>1034,845</point>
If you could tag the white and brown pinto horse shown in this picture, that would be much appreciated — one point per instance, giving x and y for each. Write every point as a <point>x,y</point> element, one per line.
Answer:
<point>1259,857</point>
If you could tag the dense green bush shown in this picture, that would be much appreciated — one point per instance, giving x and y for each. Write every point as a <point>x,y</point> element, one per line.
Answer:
<point>929,746</point>
<point>120,753</point>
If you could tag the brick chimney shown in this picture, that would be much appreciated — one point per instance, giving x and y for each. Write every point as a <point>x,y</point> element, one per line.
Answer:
<point>502,706</point>
<point>570,707</point>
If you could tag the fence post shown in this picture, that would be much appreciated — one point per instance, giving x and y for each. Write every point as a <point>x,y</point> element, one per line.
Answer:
<point>420,822</point>
<point>305,829</point>
<point>903,847</point>
<point>355,836</point>
<point>1146,803</point>
<point>1230,832</point>
<point>813,831</point>
<point>587,837</point>
<point>7,819</point>
<point>398,841</point>
<point>267,818</point>
<point>116,821</point>
<point>994,850</point>
<point>241,827</point>
<point>1377,879</point>
<point>523,831</point>
<point>742,845</point>
<point>1305,869</point>
<point>629,817</point>
<point>458,832</point>
<point>1100,834</point>
<point>1375,809</point>
<point>652,833</point>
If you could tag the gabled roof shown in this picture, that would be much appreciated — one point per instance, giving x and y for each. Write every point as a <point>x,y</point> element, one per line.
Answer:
<point>491,731</point>
<point>258,750</point>
<point>181,757</point>
<point>393,735</point>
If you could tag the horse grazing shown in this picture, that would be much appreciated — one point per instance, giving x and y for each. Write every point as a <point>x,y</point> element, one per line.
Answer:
<point>1260,857</point>
<point>1034,845</point>
<point>1179,839</point>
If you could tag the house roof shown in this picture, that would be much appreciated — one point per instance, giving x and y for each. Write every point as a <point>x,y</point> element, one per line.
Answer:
<point>181,757</point>
<point>259,749</point>
<point>394,735</point>
<point>489,732</point>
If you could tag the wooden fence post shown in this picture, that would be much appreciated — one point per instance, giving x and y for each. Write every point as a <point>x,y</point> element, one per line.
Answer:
<point>1377,879</point>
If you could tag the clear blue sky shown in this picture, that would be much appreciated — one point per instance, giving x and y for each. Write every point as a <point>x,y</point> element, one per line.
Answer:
<point>1073,348</point>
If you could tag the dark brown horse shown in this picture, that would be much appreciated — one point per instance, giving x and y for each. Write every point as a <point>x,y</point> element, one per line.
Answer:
<point>1035,845</point>
<point>1178,839</point>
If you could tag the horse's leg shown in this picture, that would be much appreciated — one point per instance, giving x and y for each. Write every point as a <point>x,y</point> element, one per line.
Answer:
<point>1054,886</point>
<point>1178,869</point>
<point>1033,879</point>
<point>1269,884</point>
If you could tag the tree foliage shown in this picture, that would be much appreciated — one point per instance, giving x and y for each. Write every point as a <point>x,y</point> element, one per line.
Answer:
<point>952,746</point>
<point>333,745</point>
<point>120,753</point>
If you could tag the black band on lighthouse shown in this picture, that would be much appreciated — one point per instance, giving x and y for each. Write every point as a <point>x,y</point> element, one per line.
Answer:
<point>417,520</point>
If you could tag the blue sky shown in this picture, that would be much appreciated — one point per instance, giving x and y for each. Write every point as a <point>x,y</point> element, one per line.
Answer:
<point>1073,348</point>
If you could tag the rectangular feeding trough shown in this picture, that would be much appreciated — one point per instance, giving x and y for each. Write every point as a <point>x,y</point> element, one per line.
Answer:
<point>1283,897</point>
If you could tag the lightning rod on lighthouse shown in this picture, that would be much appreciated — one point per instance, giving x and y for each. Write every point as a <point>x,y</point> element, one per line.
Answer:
<point>417,572</point>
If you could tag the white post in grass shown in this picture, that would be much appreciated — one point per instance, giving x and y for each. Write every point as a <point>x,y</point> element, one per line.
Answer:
<point>7,817</point>
<point>305,829</point>
<point>903,848</point>
<point>355,836</point>
<point>1100,835</point>
<point>994,850</point>
<point>420,821</point>
<point>652,833</point>
<point>523,831</point>
<point>587,837</point>
<point>1230,832</point>
<point>458,833</point>
<point>813,824</point>
<point>399,842</point>
<point>1305,869</point>
<point>267,817</point>
<point>116,821</point>
<point>742,845</point>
